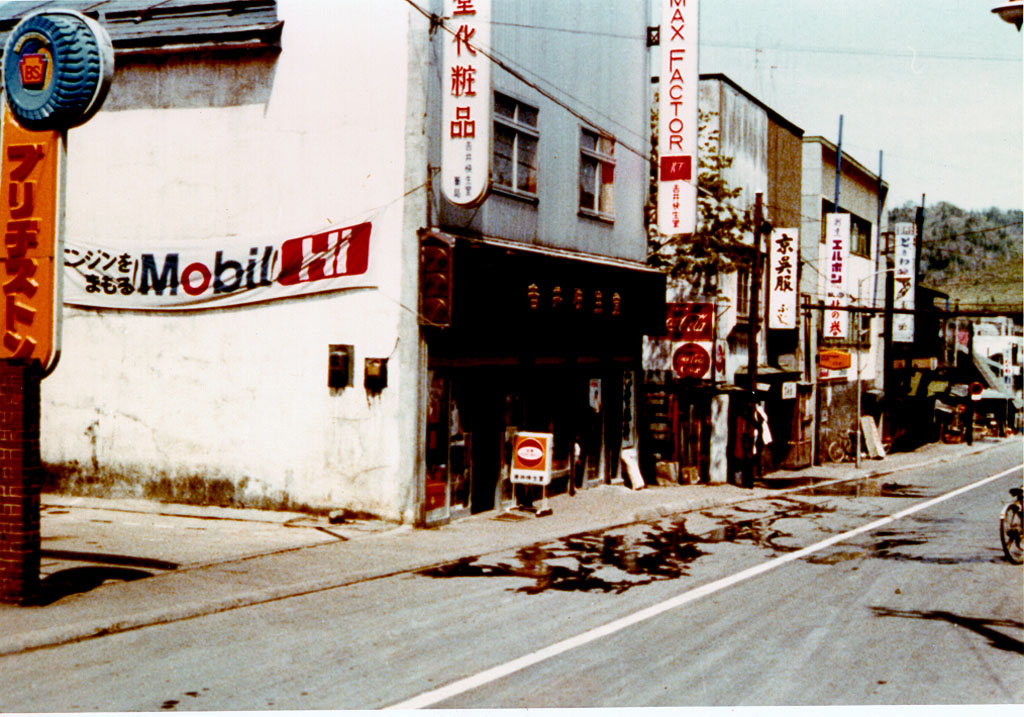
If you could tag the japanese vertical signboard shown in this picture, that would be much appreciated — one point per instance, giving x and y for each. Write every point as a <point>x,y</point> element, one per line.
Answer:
<point>677,118</point>
<point>782,285</point>
<point>904,281</point>
<point>30,256</point>
<point>466,104</point>
<point>837,258</point>
<point>691,328</point>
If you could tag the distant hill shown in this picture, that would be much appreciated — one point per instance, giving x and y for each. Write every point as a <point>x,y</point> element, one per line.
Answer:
<point>974,256</point>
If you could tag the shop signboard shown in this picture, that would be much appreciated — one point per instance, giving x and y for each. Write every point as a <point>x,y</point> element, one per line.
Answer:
<point>904,280</point>
<point>531,458</point>
<point>837,253</point>
<point>835,359</point>
<point>677,118</point>
<point>466,101</point>
<point>782,286</point>
<point>30,257</point>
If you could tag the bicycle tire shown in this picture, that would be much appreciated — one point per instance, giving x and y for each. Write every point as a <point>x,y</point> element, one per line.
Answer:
<point>836,451</point>
<point>1011,523</point>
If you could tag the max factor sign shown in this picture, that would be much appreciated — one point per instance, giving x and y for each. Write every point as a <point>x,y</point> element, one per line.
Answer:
<point>217,273</point>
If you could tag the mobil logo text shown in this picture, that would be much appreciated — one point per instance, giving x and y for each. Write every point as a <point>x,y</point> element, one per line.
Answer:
<point>328,255</point>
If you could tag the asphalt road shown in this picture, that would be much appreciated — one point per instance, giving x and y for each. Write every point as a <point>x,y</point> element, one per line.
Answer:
<point>763,603</point>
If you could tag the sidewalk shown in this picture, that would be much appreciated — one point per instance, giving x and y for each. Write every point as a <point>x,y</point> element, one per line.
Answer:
<point>191,569</point>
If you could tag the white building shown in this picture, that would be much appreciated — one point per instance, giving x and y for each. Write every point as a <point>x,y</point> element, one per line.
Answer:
<point>265,170</point>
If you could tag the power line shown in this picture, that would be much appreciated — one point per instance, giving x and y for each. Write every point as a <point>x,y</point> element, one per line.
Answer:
<point>437,21</point>
<point>868,53</point>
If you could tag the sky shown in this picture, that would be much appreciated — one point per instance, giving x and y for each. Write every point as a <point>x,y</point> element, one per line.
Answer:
<point>935,85</point>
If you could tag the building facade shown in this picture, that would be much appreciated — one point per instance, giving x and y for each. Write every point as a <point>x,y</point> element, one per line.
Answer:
<point>694,426</point>
<point>247,221</point>
<point>858,335</point>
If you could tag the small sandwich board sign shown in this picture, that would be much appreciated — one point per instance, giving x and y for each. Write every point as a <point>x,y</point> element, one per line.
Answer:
<point>531,458</point>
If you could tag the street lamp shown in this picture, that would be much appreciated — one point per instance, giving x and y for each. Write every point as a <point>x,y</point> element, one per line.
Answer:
<point>860,288</point>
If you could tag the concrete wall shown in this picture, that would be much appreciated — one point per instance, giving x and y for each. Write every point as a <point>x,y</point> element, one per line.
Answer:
<point>233,404</point>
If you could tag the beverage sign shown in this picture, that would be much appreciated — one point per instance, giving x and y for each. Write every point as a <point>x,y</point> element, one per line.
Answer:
<point>691,360</point>
<point>782,299</point>
<point>904,280</point>
<point>466,101</point>
<point>677,118</point>
<point>691,326</point>
<point>837,253</point>
<point>30,256</point>
<point>690,321</point>
<point>531,458</point>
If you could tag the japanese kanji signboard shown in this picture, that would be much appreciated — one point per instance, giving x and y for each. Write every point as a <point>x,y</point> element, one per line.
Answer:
<point>466,101</point>
<point>904,280</point>
<point>677,118</point>
<point>837,257</point>
<point>782,278</point>
<point>30,255</point>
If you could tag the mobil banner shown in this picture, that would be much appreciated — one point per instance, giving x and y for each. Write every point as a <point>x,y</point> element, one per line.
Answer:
<point>218,272</point>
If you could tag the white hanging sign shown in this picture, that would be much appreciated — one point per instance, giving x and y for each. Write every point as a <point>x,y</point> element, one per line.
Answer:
<point>783,255</point>
<point>904,281</point>
<point>677,118</point>
<point>466,101</point>
<point>837,255</point>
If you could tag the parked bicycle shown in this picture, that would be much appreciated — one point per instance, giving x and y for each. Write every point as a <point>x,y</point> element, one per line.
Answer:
<point>1010,525</point>
<point>844,449</point>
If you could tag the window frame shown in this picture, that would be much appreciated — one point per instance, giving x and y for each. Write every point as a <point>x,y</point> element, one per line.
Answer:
<point>743,293</point>
<point>518,129</point>
<point>602,159</point>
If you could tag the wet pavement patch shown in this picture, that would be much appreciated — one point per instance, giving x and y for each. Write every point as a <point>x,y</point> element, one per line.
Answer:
<point>865,488</point>
<point>617,560</point>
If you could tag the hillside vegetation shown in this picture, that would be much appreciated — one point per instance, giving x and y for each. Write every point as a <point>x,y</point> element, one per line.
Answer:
<point>974,256</point>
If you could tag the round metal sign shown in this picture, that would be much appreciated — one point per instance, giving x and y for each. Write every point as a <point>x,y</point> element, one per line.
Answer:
<point>530,452</point>
<point>691,360</point>
<point>58,65</point>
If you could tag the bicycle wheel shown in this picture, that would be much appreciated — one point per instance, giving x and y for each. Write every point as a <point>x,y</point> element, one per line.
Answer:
<point>1010,525</point>
<point>837,451</point>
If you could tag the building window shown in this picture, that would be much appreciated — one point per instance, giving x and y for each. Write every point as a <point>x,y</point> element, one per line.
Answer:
<point>597,175</point>
<point>860,236</point>
<point>515,147</point>
<point>860,230</point>
<point>742,293</point>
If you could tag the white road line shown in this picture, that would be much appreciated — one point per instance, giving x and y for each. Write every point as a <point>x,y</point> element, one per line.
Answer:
<point>427,699</point>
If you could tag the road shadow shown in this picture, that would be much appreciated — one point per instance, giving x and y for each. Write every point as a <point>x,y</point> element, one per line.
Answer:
<point>72,581</point>
<point>978,625</point>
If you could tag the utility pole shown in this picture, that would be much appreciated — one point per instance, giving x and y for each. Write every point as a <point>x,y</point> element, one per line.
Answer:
<point>752,327</point>
<point>839,163</point>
